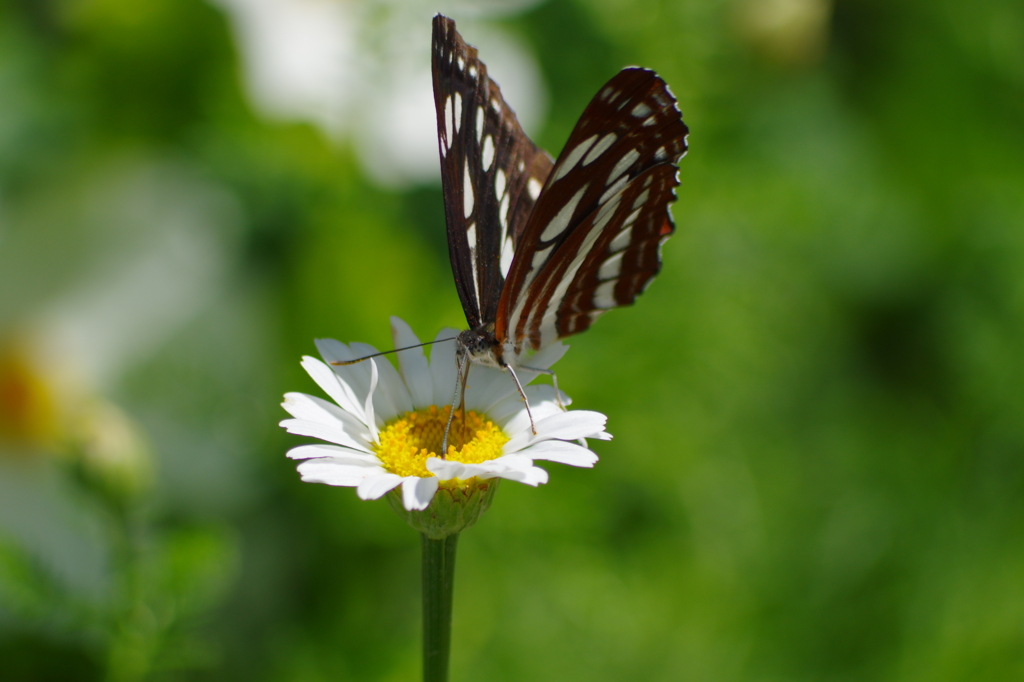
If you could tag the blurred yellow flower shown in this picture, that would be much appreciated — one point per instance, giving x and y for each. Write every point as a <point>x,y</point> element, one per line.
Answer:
<point>785,32</point>
<point>43,413</point>
<point>28,411</point>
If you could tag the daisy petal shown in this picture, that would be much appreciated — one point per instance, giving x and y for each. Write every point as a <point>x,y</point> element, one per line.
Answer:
<point>332,350</point>
<point>320,450</point>
<point>520,469</point>
<point>418,492</point>
<point>542,359</point>
<point>546,357</point>
<point>446,469</point>
<point>358,375</point>
<point>442,367</point>
<point>534,476</point>
<point>333,473</point>
<point>487,386</point>
<point>458,471</point>
<point>561,426</point>
<point>413,363</point>
<point>334,386</point>
<point>511,414</point>
<point>493,386</point>
<point>331,434</point>
<point>513,467</point>
<point>391,398</point>
<point>562,452</point>
<point>310,408</point>
<point>570,425</point>
<point>375,487</point>
<point>371,420</point>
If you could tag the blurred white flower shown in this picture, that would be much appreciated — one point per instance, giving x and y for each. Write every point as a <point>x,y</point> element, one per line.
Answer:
<point>91,287</point>
<point>361,71</point>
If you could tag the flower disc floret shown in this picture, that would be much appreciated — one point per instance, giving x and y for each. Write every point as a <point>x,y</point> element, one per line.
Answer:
<point>404,444</point>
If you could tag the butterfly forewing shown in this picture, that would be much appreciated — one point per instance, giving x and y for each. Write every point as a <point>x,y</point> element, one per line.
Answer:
<point>491,173</point>
<point>593,239</point>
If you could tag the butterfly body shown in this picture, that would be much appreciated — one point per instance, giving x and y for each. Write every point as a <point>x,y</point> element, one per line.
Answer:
<point>540,249</point>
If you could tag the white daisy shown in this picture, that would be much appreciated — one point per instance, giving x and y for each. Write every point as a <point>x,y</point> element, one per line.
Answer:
<point>385,425</point>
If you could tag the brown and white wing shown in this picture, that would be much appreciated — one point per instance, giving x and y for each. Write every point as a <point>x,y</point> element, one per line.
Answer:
<point>491,172</point>
<point>594,238</point>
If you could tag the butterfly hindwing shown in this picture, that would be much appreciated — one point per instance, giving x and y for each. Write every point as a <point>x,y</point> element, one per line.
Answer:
<point>623,259</point>
<point>593,240</point>
<point>491,172</point>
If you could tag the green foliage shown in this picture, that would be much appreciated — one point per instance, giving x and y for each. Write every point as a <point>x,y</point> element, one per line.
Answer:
<point>818,464</point>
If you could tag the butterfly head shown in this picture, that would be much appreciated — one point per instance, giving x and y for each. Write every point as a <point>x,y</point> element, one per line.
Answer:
<point>481,347</point>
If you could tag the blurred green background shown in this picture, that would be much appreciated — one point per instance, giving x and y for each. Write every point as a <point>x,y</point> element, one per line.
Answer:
<point>818,408</point>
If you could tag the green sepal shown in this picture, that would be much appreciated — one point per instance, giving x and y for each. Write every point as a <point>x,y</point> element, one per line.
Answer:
<point>452,510</point>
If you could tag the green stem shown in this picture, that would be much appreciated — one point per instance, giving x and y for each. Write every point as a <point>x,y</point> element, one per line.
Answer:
<point>133,640</point>
<point>438,579</point>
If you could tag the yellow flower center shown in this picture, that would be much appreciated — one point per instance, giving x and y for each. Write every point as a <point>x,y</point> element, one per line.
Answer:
<point>406,442</point>
<point>28,410</point>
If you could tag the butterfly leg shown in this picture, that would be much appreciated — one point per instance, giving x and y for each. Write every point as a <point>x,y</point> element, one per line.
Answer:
<point>462,373</point>
<point>522,394</point>
<point>554,380</point>
<point>462,404</point>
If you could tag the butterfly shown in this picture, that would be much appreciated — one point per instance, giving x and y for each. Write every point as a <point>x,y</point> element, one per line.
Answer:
<point>540,248</point>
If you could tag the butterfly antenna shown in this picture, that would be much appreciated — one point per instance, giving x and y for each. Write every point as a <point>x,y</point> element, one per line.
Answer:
<point>342,363</point>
